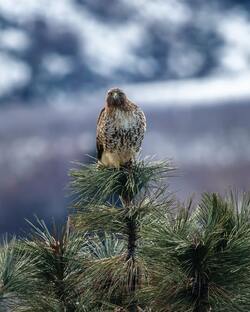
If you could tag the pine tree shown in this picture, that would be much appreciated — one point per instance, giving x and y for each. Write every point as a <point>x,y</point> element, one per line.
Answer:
<point>117,207</point>
<point>129,245</point>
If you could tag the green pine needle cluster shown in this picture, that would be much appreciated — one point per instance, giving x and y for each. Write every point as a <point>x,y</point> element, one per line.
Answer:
<point>200,259</point>
<point>129,245</point>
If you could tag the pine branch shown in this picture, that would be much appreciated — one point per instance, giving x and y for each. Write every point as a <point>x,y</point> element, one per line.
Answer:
<point>117,201</point>
<point>16,275</point>
<point>91,185</point>
<point>203,258</point>
<point>58,267</point>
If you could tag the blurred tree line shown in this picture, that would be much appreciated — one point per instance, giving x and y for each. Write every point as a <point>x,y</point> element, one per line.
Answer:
<point>175,50</point>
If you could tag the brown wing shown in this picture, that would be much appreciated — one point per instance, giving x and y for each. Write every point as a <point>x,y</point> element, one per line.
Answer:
<point>140,128</point>
<point>99,145</point>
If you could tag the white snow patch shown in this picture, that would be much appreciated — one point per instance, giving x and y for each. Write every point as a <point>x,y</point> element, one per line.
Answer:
<point>191,92</point>
<point>57,64</point>
<point>234,55</point>
<point>171,11</point>
<point>14,39</point>
<point>13,73</point>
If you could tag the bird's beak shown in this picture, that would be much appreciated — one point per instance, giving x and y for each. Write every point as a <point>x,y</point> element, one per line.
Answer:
<point>115,95</point>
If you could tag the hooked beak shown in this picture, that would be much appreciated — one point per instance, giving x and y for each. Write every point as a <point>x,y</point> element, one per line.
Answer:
<point>115,96</point>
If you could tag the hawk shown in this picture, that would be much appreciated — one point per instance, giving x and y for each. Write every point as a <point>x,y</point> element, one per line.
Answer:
<point>120,130</point>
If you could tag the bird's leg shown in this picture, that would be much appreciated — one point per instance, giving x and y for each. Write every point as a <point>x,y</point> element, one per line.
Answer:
<point>127,166</point>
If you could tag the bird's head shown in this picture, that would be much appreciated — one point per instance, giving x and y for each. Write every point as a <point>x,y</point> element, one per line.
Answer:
<point>116,98</point>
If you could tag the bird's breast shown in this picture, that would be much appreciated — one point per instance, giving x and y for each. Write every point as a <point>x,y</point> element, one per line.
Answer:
<point>124,120</point>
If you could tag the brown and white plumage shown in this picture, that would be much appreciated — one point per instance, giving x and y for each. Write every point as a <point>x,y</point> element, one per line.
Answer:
<point>120,130</point>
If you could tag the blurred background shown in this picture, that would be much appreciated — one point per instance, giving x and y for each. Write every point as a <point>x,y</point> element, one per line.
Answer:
<point>186,63</point>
